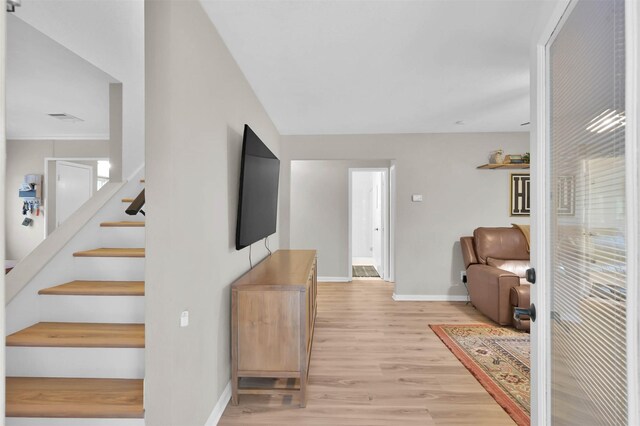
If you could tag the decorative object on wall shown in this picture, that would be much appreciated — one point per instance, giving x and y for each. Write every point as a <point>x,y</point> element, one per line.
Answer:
<point>520,194</point>
<point>496,157</point>
<point>566,196</point>
<point>30,193</point>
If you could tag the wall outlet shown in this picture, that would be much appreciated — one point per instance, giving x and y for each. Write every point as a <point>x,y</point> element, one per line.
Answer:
<point>184,319</point>
<point>463,276</point>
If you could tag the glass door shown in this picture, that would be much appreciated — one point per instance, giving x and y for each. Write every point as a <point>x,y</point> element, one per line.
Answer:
<point>585,234</point>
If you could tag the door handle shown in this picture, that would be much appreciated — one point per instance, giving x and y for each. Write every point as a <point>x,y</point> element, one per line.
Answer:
<point>531,275</point>
<point>518,313</point>
<point>376,229</point>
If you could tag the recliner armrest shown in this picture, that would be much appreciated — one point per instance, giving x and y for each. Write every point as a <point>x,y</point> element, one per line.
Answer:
<point>489,291</point>
<point>520,296</point>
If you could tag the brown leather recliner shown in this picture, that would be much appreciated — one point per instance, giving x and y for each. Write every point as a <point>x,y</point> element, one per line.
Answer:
<point>496,260</point>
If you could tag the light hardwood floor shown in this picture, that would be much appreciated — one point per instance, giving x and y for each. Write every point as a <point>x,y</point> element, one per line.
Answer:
<point>376,362</point>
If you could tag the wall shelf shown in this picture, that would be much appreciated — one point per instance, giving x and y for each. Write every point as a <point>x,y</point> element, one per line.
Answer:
<point>503,166</point>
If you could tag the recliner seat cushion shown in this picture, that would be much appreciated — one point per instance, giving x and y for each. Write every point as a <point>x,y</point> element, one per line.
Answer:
<point>518,267</point>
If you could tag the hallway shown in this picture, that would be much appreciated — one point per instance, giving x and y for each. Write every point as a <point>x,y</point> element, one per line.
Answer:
<point>376,362</point>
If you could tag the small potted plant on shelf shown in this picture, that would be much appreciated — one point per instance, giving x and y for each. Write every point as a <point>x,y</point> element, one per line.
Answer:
<point>526,158</point>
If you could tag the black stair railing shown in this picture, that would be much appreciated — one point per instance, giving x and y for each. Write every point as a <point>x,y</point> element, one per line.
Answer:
<point>136,206</point>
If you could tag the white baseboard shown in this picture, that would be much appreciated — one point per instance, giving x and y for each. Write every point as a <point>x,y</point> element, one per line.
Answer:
<point>224,399</point>
<point>429,298</point>
<point>334,279</point>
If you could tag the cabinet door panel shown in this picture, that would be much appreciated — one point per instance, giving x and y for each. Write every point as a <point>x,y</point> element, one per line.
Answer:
<point>269,330</point>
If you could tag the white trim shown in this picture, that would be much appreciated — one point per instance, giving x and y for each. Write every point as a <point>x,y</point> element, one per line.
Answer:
<point>334,279</point>
<point>3,158</point>
<point>349,226</point>
<point>392,222</point>
<point>45,185</point>
<point>632,18</point>
<point>388,224</point>
<point>92,137</point>
<point>429,298</point>
<point>217,411</point>
<point>77,166</point>
<point>540,294</point>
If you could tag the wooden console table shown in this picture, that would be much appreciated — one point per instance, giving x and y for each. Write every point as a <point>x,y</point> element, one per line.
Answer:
<point>273,311</point>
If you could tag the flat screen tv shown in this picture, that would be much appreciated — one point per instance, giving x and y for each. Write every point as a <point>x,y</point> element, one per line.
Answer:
<point>258,200</point>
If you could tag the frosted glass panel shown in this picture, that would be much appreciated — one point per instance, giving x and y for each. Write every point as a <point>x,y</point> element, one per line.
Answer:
<point>586,233</point>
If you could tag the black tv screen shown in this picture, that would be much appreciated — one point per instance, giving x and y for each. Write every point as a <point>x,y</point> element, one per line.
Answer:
<point>258,201</point>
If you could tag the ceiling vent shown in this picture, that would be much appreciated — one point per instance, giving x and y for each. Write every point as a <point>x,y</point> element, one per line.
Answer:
<point>66,117</point>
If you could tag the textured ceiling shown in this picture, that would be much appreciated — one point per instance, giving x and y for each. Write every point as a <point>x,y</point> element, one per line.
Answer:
<point>44,77</point>
<point>331,67</point>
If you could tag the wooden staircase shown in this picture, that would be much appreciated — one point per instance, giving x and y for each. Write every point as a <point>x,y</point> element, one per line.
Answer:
<point>97,288</point>
<point>111,252</point>
<point>74,398</point>
<point>50,400</point>
<point>123,224</point>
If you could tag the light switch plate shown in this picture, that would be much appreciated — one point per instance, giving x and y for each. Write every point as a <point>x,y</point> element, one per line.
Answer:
<point>184,319</point>
<point>416,198</point>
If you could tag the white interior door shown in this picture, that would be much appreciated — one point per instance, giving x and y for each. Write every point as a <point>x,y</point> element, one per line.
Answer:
<point>74,186</point>
<point>580,360</point>
<point>378,223</point>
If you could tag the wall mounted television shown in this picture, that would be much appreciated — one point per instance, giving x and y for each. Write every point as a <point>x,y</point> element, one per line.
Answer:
<point>258,200</point>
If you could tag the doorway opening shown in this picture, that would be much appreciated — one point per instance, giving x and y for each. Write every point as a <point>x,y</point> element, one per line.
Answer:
<point>369,223</point>
<point>69,183</point>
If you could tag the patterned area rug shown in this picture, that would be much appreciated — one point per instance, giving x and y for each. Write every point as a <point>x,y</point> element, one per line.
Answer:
<point>498,357</point>
<point>364,271</point>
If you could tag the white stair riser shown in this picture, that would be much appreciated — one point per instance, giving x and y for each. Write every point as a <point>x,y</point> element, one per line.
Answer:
<point>109,268</point>
<point>109,309</point>
<point>113,236</point>
<point>24,421</point>
<point>113,363</point>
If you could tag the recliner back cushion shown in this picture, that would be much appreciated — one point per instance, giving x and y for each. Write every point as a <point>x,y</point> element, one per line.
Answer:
<point>500,243</point>
<point>518,267</point>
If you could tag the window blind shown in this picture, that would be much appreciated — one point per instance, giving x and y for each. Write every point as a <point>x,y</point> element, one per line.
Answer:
<point>587,222</point>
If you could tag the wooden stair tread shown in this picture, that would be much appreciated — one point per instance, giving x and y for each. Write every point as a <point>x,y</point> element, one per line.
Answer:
<point>111,252</point>
<point>96,288</point>
<point>74,398</point>
<point>79,335</point>
<point>123,224</point>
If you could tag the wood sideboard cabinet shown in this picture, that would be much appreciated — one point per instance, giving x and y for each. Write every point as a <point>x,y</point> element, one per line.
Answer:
<point>273,311</point>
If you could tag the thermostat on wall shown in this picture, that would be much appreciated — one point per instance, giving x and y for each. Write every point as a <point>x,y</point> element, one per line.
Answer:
<point>416,198</point>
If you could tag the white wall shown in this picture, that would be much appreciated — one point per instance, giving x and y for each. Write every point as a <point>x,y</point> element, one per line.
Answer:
<point>109,35</point>
<point>196,106</point>
<point>319,210</point>
<point>27,157</point>
<point>442,167</point>
<point>361,213</point>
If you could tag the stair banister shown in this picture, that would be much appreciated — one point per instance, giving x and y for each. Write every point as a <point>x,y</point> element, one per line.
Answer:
<point>136,205</point>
